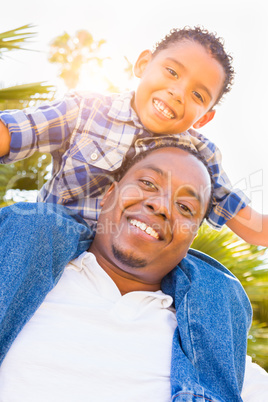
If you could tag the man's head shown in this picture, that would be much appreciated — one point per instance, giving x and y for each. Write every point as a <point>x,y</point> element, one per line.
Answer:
<point>181,81</point>
<point>151,216</point>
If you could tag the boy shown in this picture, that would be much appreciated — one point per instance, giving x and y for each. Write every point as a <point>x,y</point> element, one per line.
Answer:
<point>88,137</point>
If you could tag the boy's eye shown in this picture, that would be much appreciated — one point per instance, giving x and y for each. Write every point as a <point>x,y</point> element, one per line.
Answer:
<point>198,96</point>
<point>184,209</point>
<point>149,184</point>
<point>172,72</point>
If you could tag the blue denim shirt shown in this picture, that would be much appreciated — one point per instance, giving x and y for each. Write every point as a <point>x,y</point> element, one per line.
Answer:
<point>212,309</point>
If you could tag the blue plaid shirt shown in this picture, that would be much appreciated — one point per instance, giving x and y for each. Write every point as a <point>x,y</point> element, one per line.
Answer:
<point>88,136</point>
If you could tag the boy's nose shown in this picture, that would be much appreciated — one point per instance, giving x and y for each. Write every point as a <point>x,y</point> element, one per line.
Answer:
<point>177,92</point>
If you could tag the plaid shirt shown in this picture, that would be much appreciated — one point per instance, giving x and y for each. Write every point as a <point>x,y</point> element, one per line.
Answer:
<point>88,137</point>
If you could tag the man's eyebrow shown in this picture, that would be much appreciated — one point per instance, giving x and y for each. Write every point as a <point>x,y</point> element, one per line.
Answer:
<point>185,187</point>
<point>191,192</point>
<point>184,68</point>
<point>155,169</point>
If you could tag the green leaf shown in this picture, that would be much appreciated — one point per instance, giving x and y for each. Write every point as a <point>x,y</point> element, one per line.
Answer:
<point>15,38</point>
<point>26,91</point>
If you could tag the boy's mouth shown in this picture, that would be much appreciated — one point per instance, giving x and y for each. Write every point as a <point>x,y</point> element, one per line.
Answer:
<point>163,109</point>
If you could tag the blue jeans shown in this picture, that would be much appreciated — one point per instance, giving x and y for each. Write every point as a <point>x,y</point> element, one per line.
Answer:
<point>212,310</point>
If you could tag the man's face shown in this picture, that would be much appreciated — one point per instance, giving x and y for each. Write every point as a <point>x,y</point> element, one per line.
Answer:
<point>150,218</point>
<point>178,87</point>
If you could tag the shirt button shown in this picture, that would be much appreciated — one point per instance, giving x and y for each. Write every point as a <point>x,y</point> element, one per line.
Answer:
<point>94,156</point>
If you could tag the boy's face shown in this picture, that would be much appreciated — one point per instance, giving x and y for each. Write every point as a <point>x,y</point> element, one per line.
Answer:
<point>178,88</point>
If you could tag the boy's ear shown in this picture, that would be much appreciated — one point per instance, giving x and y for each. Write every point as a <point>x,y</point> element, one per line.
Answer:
<point>108,192</point>
<point>142,62</point>
<point>204,119</point>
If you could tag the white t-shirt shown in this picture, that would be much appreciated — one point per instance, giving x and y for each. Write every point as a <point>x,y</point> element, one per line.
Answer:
<point>87,342</point>
<point>255,387</point>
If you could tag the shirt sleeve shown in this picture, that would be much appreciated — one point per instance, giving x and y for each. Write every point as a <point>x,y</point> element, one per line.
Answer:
<point>227,200</point>
<point>44,129</point>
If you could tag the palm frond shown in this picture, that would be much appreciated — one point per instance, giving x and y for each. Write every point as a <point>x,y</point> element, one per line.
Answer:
<point>249,263</point>
<point>16,38</point>
<point>26,91</point>
<point>258,344</point>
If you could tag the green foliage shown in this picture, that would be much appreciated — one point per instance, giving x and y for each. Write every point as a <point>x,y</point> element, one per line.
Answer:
<point>28,174</point>
<point>247,262</point>
<point>15,39</point>
<point>26,92</point>
<point>250,265</point>
<point>71,52</point>
<point>31,173</point>
<point>258,343</point>
<point>18,96</point>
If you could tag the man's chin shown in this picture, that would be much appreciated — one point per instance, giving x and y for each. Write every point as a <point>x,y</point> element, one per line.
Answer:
<point>127,258</point>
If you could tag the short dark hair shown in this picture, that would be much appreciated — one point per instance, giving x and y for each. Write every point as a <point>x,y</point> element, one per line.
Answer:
<point>166,143</point>
<point>212,43</point>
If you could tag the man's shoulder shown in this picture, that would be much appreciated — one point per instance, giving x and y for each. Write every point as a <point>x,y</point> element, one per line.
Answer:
<point>201,259</point>
<point>200,268</point>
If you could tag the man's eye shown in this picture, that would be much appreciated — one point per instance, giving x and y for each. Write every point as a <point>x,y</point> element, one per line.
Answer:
<point>148,184</point>
<point>198,96</point>
<point>184,209</point>
<point>172,72</point>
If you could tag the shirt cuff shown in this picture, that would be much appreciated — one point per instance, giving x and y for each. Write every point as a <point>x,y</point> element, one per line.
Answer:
<point>225,209</point>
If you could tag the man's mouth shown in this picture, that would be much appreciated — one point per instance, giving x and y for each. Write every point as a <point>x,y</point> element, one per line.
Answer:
<point>163,109</point>
<point>145,228</point>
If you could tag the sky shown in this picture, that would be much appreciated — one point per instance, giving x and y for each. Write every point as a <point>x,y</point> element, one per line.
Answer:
<point>129,27</point>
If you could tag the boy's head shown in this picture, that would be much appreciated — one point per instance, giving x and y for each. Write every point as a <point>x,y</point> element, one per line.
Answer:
<point>181,81</point>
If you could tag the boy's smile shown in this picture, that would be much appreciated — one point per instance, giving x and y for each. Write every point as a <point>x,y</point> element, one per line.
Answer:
<point>178,87</point>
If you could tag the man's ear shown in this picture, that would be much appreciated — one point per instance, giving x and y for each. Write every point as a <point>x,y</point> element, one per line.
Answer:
<point>204,119</point>
<point>142,62</point>
<point>108,192</point>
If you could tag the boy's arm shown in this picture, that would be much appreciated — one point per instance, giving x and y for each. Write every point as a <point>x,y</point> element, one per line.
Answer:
<point>45,128</point>
<point>247,223</point>
<point>4,140</point>
<point>251,226</point>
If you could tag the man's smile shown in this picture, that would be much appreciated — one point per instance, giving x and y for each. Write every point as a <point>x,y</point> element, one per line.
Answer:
<point>162,108</point>
<point>145,228</point>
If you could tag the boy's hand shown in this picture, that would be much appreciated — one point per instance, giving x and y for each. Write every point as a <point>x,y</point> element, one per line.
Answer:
<point>4,140</point>
<point>251,226</point>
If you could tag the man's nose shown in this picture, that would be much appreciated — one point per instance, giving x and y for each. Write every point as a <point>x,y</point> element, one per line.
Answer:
<point>159,205</point>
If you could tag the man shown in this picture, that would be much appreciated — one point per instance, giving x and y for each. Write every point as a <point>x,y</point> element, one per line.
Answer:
<point>105,332</point>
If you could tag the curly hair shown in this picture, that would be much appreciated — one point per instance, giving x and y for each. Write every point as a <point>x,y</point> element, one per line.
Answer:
<point>213,44</point>
<point>164,143</point>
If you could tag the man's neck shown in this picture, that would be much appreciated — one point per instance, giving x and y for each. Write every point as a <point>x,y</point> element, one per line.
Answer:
<point>125,282</point>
